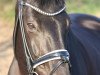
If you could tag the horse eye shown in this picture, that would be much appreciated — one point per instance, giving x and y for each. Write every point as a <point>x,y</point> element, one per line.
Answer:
<point>31,26</point>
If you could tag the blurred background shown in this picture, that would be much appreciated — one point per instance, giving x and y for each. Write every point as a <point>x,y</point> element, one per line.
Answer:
<point>7,24</point>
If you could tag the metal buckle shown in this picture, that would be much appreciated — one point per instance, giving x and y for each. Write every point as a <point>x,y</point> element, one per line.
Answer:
<point>35,73</point>
<point>32,71</point>
<point>66,60</point>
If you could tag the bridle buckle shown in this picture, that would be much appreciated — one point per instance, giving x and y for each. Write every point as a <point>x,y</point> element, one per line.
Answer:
<point>32,71</point>
<point>66,60</point>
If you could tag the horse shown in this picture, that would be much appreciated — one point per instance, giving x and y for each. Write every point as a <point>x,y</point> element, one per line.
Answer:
<point>83,44</point>
<point>56,42</point>
<point>40,28</point>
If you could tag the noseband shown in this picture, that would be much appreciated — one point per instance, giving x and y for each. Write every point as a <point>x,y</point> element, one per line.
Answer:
<point>61,54</point>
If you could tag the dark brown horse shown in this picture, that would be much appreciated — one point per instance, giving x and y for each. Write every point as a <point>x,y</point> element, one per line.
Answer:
<point>47,32</point>
<point>40,34</point>
<point>84,44</point>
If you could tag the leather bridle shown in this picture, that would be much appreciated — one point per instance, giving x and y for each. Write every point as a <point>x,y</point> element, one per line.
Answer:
<point>61,54</point>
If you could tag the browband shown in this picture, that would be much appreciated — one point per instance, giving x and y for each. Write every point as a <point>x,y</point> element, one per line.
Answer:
<point>41,11</point>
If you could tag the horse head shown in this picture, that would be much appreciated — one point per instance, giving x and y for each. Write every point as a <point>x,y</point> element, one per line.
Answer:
<point>43,26</point>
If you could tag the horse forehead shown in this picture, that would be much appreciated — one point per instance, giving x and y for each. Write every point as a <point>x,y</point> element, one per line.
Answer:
<point>29,16</point>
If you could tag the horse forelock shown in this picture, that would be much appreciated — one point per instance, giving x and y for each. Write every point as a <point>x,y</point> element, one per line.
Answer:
<point>45,2</point>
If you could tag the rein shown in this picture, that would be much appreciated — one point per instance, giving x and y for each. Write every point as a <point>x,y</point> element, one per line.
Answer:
<point>61,54</point>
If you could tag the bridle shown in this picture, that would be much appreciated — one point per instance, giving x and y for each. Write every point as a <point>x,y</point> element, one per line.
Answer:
<point>61,54</point>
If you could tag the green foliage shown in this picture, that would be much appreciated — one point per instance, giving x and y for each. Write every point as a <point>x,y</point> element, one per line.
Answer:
<point>7,10</point>
<point>83,6</point>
